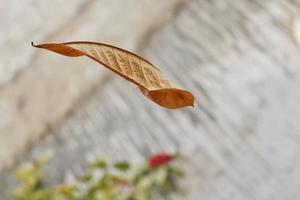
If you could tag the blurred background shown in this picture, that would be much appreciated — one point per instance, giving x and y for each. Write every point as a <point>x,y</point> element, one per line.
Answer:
<point>240,58</point>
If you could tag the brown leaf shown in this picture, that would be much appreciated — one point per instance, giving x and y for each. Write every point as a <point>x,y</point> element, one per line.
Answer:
<point>152,83</point>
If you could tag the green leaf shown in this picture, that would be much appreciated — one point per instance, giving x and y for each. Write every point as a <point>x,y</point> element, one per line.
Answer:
<point>43,194</point>
<point>140,172</point>
<point>122,166</point>
<point>101,163</point>
<point>66,190</point>
<point>160,176</point>
<point>43,159</point>
<point>176,172</point>
<point>26,170</point>
<point>85,177</point>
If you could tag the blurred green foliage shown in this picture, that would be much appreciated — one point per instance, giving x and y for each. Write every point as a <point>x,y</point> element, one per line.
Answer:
<point>117,181</point>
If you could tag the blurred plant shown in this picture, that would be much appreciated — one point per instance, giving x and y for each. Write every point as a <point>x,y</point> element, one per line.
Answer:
<point>156,178</point>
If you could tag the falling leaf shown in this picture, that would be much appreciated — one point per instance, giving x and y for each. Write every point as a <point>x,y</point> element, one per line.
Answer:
<point>151,82</point>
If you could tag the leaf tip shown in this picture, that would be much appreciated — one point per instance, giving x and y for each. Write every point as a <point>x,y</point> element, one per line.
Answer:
<point>192,104</point>
<point>34,45</point>
<point>171,98</point>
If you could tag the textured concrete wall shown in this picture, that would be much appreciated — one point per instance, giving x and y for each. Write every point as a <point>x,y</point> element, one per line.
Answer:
<point>241,140</point>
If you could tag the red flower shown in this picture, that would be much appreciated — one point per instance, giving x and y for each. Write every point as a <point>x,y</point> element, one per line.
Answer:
<point>159,159</point>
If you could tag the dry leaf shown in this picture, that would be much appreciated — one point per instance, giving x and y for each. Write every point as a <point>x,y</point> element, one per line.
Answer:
<point>152,83</point>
